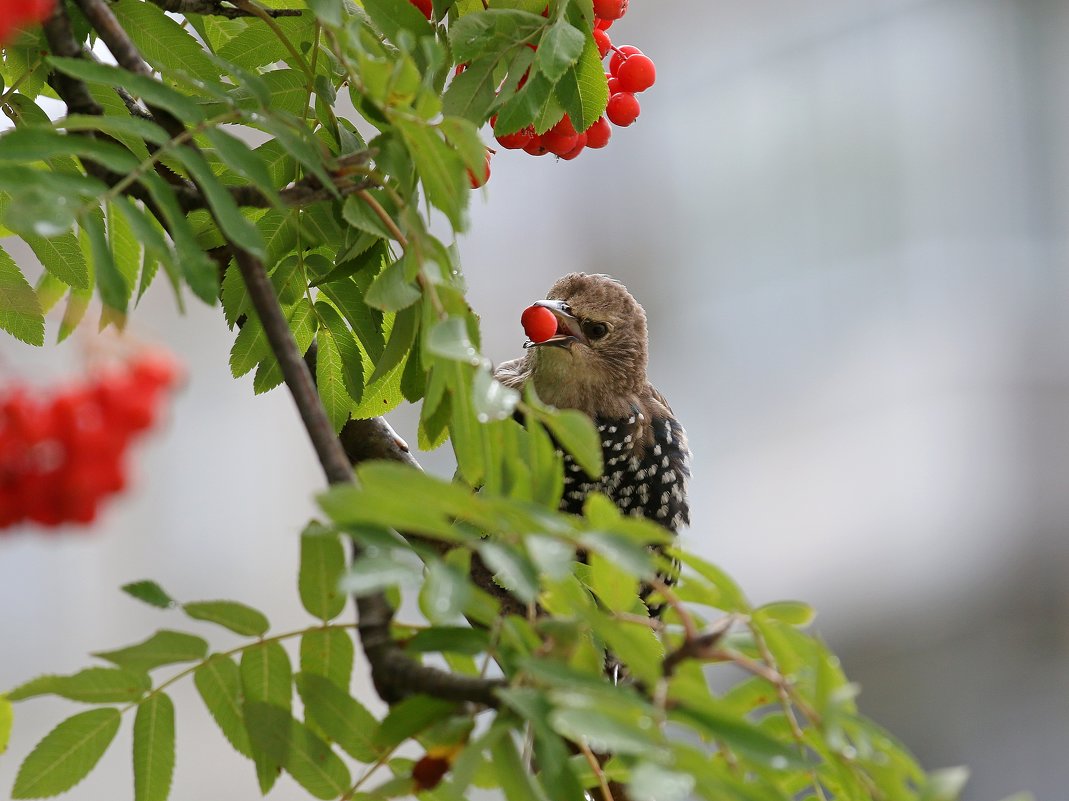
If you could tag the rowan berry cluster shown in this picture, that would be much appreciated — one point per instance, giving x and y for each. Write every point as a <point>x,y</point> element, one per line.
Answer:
<point>62,453</point>
<point>630,72</point>
<point>18,14</point>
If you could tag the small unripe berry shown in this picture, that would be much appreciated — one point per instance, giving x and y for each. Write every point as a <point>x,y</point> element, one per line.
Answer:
<point>637,73</point>
<point>539,323</point>
<point>623,109</point>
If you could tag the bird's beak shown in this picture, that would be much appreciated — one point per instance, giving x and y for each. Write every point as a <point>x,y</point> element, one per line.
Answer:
<point>568,329</point>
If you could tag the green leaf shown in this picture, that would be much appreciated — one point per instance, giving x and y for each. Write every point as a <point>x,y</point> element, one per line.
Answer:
<point>583,90</point>
<point>449,339</point>
<point>242,159</point>
<point>266,675</point>
<point>440,169</point>
<point>154,748</point>
<point>560,47</point>
<point>302,323</point>
<point>577,435</point>
<point>237,617</point>
<point>250,347</point>
<point>411,716</point>
<point>66,754</point>
<point>295,747</point>
<point>162,648</point>
<point>162,41</point>
<point>444,594</point>
<point>62,256</point>
<point>945,785</point>
<point>150,90</point>
<point>512,569</point>
<point>97,685</point>
<point>365,321</point>
<point>330,380</point>
<point>391,291</point>
<point>339,715</point>
<point>793,613</point>
<point>352,361</point>
<point>322,563</point>
<point>370,574</point>
<point>328,652</point>
<point>114,291</point>
<point>150,592</point>
<point>603,730</point>
<point>471,94</point>
<point>517,782</point>
<point>20,312</point>
<point>219,684</point>
<point>651,782</point>
<point>225,210</point>
<point>475,35</point>
<point>7,718</point>
<point>402,336</point>
<point>392,17</point>
<point>704,716</point>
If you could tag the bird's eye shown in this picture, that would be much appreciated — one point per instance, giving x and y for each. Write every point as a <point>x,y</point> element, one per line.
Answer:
<point>594,330</point>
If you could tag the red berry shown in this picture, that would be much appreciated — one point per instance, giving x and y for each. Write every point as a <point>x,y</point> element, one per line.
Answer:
<point>602,40</point>
<point>597,135</point>
<point>539,323</point>
<point>610,9</point>
<point>575,151</point>
<point>621,55</point>
<point>614,86</point>
<point>477,181</point>
<point>155,368</point>
<point>602,24</point>
<point>623,109</point>
<point>561,138</point>
<point>425,6</point>
<point>637,73</point>
<point>535,146</point>
<point>518,140</point>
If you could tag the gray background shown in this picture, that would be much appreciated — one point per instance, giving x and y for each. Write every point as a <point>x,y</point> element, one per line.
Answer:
<point>847,221</point>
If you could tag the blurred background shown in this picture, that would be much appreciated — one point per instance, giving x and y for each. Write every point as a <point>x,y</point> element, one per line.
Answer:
<point>848,224</point>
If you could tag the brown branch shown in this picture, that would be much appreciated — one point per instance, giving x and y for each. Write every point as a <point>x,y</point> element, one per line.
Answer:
<point>214,8</point>
<point>60,37</point>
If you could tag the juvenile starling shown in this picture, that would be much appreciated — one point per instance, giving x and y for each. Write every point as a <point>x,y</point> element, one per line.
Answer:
<point>596,363</point>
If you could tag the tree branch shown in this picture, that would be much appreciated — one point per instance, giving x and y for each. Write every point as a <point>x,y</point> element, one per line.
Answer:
<point>214,8</point>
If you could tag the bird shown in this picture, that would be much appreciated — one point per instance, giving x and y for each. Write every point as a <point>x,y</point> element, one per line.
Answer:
<point>596,363</point>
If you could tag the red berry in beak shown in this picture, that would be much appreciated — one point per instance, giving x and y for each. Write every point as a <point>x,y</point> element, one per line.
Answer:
<point>539,323</point>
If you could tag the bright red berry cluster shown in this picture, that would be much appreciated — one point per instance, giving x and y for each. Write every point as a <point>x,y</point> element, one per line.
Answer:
<point>61,454</point>
<point>630,72</point>
<point>18,14</point>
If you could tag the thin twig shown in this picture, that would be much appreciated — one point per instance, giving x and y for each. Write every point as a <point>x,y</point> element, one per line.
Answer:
<point>595,765</point>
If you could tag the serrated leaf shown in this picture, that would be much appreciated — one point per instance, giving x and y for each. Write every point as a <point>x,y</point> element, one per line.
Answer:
<point>237,617</point>
<point>266,675</point>
<point>322,563</point>
<point>243,160</point>
<point>162,41</point>
<point>162,648</point>
<point>96,685</point>
<point>560,47</point>
<point>392,17</point>
<point>449,339</point>
<point>250,347</point>
<point>391,291</point>
<point>330,381</point>
<point>20,311</point>
<point>328,652</point>
<point>66,754</point>
<point>440,169</point>
<point>512,569</point>
<point>475,35</point>
<point>365,321</point>
<point>62,256</point>
<point>295,747</point>
<point>225,210</point>
<point>154,748</point>
<point>219,684</point>
<point>352,361</point>
<point>302,322</point>
<point>471,94</point>
<point>583,90</point>
<point>339,715</point>
<point>402,335</point>
<point>112,286</point>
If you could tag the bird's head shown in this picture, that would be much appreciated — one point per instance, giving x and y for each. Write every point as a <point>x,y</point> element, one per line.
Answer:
<point>597,358</point>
